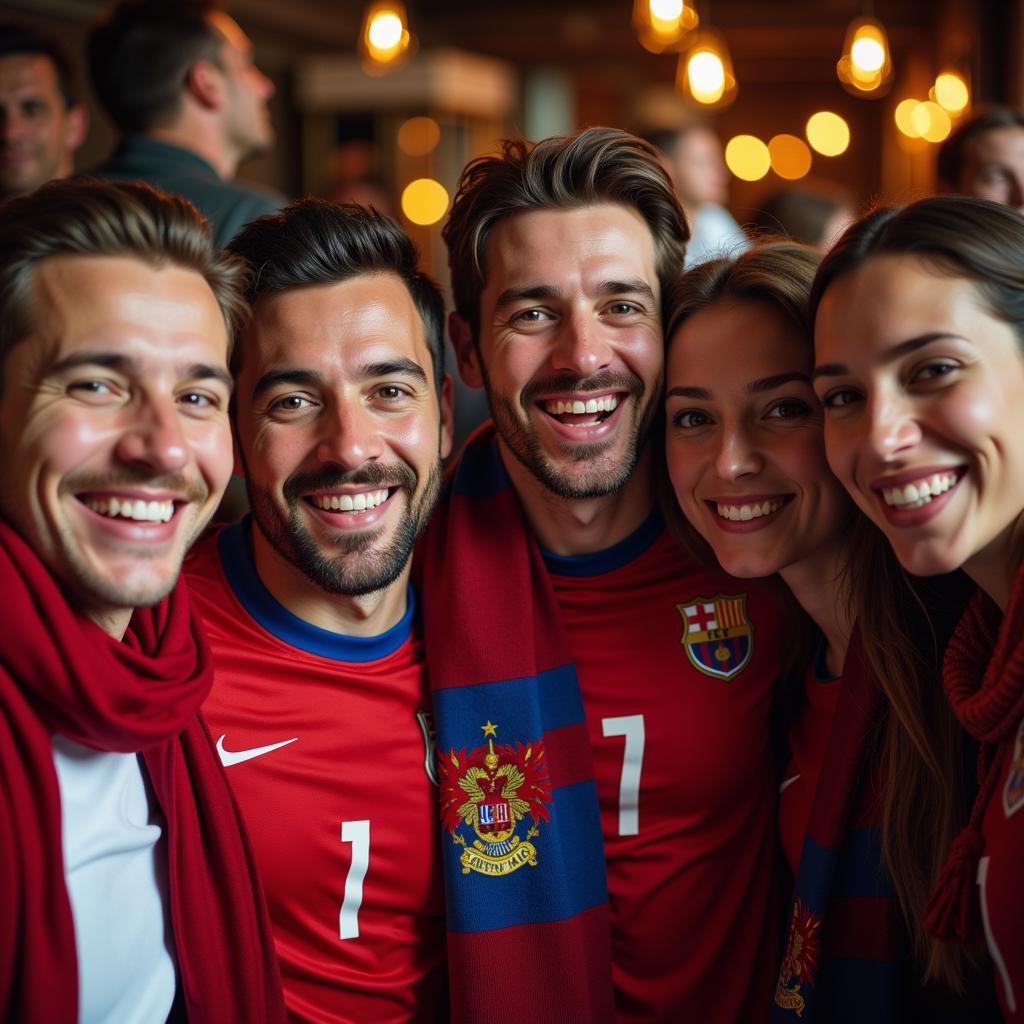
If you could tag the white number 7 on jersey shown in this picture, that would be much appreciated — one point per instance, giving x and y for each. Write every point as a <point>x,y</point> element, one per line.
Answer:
<point>632,727</point>
<point>358,834</point>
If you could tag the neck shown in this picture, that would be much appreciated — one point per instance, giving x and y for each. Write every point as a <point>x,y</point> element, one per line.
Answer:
<point>345,614</point>
<point>113,621</point>
<point>580,526</point>
<point>995,568</point>
<point>815,583</point>
<point>202,138</point>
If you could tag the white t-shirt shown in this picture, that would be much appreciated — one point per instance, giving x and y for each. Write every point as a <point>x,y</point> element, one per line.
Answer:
<point>713,232</point>
<point>115,872</point>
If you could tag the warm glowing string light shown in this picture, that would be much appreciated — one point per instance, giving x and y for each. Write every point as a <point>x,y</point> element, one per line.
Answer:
<point>791,159</point>
<point>828,133</point>
<point>705,75</point>
<point>424,201</point>
<point>747,157</point>
<point>865,68</point>
<point>385,38</point>
<point>660,25</point>
<point>951,92</point>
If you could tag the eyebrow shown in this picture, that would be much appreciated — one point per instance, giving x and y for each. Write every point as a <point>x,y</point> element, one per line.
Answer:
<point>755,387</point>
<point>129,366</point>
<point>310,378</point>
<point>637,286</point>
<point>896,352</point>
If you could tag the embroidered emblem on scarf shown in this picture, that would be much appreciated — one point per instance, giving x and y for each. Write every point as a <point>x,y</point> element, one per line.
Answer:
<point>1013,791</point>
<point>800,959</point>
<point>486,795</point>
<point>718,637</point>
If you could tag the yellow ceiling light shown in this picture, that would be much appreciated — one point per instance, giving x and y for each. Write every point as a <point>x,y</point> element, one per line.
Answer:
<point>418,136</point>
<point>385,39</point>
<point>791,159</point>
<point>931,122</point>
<point>951,92</point>
<point>747,157</point>
<point>904,115</point>
<point>661,24</point>
<point>827,133</point>
<point>704,76</point>
<point>424,201</point>
<point>865,68</point>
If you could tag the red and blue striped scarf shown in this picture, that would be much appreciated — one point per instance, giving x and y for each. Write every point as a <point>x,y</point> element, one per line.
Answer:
<point>841,961</point>
<point>527,899</point>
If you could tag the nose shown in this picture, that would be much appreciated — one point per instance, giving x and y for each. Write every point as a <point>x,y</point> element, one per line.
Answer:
<point>265,88</point>
<point>891,425</point>
<point>349,436</point>
<point>154,438</point>
<point>737,456</point>
<point>581,347</point>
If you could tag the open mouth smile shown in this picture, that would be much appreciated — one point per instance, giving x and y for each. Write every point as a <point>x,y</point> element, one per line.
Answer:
<point>918,493</point>
<point>125,507</point>
<point>361,501</point>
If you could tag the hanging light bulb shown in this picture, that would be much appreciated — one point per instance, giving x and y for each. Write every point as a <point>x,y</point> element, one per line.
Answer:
<point>865,68</point>
<point>661,24</point>
<point>704,75</point>
<point>385,39</point>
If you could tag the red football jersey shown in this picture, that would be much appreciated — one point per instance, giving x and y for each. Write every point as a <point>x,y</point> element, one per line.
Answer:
<point>1001,881</point>
<point>808,741</point>
<point>327,744</point>
<point>677,665</point>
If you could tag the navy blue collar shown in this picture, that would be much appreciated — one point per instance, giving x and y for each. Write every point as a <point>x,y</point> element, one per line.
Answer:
<point>597,562</point>
<point>234,546</point>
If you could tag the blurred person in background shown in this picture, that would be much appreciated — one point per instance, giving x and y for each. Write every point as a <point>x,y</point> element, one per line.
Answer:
<point>179,81</point>
<point>815,215</point>
<point>41,121</point>
<point>692,155</point>
<point>984,157</point>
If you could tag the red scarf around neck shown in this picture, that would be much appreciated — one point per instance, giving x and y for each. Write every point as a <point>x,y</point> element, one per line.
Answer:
<point>60,673</point>
<point>983,675</point>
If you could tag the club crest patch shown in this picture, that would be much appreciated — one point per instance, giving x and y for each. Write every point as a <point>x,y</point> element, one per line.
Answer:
<point>717,635</point>
<point>487,795</point>
<point>801,959</point>
<point>1013,791</point>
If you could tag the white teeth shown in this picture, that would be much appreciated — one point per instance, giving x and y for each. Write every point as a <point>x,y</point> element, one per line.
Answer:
<point>919,493</point>
<point>744,513</point>
<point>127,508</point>
<point>361,502</point>
<point>557,407</point>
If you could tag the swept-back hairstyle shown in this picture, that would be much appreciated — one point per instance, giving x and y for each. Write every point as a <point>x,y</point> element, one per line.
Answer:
<point>952,155</point>
<point>17,40</point>
<point>922,765</point>
<point>139,56</point>
<point>315,242</point>
<point>974,239</point>
<point>89,217</point>
<point>595,165</point>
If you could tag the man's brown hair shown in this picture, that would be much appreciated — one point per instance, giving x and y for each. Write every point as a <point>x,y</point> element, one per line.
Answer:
<point>88,217</point>
<point>595,165</point>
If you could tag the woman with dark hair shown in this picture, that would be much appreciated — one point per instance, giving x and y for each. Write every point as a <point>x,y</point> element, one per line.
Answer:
<point>920,353</point>
<point>867,803</point>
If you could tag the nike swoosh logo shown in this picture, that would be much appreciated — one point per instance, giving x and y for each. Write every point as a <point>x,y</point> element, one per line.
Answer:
<point>787,783</point>
<point>230,757</point>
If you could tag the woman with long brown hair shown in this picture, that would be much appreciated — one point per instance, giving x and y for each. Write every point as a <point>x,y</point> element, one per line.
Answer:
<point>868,797</point>
<point>920,367</point>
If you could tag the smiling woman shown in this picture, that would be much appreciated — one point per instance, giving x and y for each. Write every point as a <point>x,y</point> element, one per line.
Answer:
<point>746,457</point>
<point>920,352</point>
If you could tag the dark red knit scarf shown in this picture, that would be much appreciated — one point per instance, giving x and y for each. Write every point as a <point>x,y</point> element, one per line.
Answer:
<point>986,691</point>
<point>60,673</point>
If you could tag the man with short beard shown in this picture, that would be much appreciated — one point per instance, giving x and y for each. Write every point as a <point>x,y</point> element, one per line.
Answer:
<point>342,414</point>
<point>597,689</point>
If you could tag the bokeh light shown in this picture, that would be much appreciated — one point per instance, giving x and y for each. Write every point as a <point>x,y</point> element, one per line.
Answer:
<point>931,121</point>
<point>951,92</point>
<point>904,115</point>
<point>424,201</point>
<point>828,133</point>
<point>790,157</point>
<point>707,76</point>
<point>419,136</point>
<point>747,157</point>
<point>867,55</point>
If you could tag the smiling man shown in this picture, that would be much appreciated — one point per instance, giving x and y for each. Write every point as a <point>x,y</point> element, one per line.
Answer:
<point>122,865</point>
<point>569,639</point>
<point>41,122</point>
<point>320,705</point>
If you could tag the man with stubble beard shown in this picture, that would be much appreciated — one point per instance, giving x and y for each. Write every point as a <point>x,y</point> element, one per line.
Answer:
<point>602,699</point>
<point>342,414</point>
